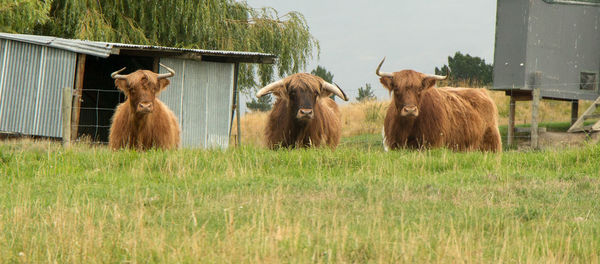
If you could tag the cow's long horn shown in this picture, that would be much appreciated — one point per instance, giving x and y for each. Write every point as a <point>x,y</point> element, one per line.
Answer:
<point>437,77</point>
<point>382,74</point>
<point>116,75</point>
<point>335,89</point>
<point>166,75</point>
<point>269,88</point>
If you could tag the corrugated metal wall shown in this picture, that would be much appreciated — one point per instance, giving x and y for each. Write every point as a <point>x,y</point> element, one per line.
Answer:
<point>32,78</point>
<point>200,95</point>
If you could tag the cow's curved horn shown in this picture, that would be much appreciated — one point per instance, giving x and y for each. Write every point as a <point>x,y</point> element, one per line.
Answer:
<point>383,74</point>
<point>437,77</point>
<point>269,88</point>
<point>116,75</point>
<point>335,89</point>
<point>166,75</point>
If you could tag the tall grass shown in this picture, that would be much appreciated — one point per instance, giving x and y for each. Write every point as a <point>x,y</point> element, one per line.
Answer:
<point>89,204</point>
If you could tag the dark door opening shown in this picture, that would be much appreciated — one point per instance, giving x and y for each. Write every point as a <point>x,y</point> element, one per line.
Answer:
<point>100,97</point>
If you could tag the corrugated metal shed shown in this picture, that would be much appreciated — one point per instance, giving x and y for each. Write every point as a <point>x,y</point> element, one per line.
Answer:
<point>560,39</point>
<point>201,99</point>
<point>31,83</point>
<point>35,69</point>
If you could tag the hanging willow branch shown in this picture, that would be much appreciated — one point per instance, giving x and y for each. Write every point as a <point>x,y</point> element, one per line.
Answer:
<point>204,24</point>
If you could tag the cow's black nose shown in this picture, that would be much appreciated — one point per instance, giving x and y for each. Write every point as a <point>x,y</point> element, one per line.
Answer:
<point>306,111</point>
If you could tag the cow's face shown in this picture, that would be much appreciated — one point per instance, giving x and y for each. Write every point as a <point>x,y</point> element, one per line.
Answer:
<point>302,96</point>
<point>301,91</point>
<point>141,88</point>
<point>406,88</point>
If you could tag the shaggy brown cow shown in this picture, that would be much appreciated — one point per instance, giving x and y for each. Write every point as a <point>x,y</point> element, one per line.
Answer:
<point>143,121</point>
<point>303,114</point>
<point>423,116</point>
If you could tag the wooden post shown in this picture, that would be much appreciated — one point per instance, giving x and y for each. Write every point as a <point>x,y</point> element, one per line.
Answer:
<point>76,109</point>
<point>156,65</point>
<point>537,78</point>
<point>511,122</point>
<point>236,104</point>
<point>67,102</point>
<point>574,111</point>
<point>237,112</point>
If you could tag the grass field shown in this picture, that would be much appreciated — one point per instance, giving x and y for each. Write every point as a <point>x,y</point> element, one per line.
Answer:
<point>87,204</point>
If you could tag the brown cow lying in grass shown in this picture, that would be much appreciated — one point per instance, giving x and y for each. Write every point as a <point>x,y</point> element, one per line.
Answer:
<point>422,116</point>
<point>303,114</point>
<point>143,121</point>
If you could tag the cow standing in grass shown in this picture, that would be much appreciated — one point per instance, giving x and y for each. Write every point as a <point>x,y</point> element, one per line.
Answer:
<point>303,114</point>
<point>143,121</point>
<point>422,116</point>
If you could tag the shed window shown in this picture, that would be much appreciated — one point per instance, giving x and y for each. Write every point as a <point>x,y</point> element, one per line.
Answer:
<point>589,81</point>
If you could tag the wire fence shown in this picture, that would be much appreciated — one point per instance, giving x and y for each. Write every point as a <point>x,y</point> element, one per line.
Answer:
<point>96,108</point>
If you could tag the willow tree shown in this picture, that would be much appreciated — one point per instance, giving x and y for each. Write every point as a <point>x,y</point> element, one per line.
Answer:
<point>205,24</point>
<point>22,16</point>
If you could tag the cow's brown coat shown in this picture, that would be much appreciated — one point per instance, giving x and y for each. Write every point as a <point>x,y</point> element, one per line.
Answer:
<point>457,118</point>
<point>132,129</point>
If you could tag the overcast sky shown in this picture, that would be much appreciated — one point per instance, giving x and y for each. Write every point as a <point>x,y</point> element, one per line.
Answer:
<point>355,35</point>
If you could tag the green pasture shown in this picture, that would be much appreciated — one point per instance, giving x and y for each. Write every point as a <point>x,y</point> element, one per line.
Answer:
<point>88,204</point>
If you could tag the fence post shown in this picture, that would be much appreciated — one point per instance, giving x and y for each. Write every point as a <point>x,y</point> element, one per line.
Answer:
<point>511,122</point>
<point>78,92</point>
<point>536,82</point>
<point>574,111</point>
<point>237,116</point>
<point>238,108</point>
<point>67,101</point>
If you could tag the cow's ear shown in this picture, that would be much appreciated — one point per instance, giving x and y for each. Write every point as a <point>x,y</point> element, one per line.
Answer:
<point>387,82</point>
<point>281,91</point>
<point>428,82</point>
<point>162,84</point>
<point>121,85</point>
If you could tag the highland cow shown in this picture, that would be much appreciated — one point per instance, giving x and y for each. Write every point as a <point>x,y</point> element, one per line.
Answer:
<point>423,116</point>
<point>143,121</point>
<point>303,114</point>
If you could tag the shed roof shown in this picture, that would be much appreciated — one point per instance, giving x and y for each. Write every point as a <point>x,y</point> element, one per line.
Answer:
<point>575,2</point>
<point>105,49</point>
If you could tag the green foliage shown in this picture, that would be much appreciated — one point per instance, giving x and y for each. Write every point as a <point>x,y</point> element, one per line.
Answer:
<point>323,73</point>
<point>365,93</point>
<point>205,24</point>
<point>22,16</point>
<point>262,104</point>
<point>465,69</point>
<point>90,204</point>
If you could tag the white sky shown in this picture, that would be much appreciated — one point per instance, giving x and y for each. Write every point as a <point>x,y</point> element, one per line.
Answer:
<point>355,35</point>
